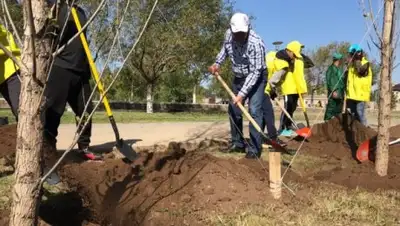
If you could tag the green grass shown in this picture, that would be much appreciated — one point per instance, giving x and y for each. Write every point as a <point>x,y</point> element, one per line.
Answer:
<point>325,204</point>
<point>5,191</point>
<point>131,116</point>
<point>134,116</point>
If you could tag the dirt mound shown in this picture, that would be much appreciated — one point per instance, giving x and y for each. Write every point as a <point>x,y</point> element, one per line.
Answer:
<point>335,143</point>
<point>170,186</point>
<point>341,129</point>
<point>8,140</point>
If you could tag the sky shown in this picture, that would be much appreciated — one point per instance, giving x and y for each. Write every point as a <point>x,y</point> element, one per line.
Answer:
<point>313,22</point>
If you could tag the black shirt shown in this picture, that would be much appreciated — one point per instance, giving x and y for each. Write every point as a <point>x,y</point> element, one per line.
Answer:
<point>73,57</point>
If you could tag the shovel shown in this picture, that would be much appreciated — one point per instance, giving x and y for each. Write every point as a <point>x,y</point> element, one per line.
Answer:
<point>301,129</point>
<point>365,149</point>
<point>301,101</point>
<point>275,145</point>
<point>121,146</point>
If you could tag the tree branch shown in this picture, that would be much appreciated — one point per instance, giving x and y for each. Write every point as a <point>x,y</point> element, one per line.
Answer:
<point>370,15</point>
<point>374,22</point>
<point>13,58</point>
<point>12,23</point>
<point>100,47</point>
<point>32,34</point>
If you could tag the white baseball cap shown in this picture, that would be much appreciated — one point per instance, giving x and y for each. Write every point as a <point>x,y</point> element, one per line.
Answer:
<point>240,23</point>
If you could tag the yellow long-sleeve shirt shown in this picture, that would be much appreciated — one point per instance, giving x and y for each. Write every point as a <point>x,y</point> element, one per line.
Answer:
<point>7,66</point>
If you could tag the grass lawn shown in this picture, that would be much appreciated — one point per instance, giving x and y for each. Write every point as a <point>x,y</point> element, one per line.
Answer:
<point>133,116</point>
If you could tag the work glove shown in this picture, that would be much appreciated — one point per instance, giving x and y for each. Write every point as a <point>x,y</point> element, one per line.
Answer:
<point>213,69</point>
<point>272,94</point>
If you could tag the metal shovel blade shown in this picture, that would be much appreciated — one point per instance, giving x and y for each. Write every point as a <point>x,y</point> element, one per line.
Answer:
<point>126,150</point>
<point>368,148</point>
<point>301,125</point>
<point>304,132</point>
<point>362,153</point>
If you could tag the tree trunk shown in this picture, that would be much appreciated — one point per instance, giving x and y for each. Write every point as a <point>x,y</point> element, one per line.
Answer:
<point>194,101</point>
<point>150,97</point>
<point>382,153</point>
<point>28,165</point>
<point>131,94</point>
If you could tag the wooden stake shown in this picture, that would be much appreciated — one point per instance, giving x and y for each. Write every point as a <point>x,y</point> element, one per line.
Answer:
<point>275,183</point>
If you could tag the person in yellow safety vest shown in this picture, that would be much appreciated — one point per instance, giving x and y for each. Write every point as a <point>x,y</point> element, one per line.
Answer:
<point>10,85</point>
<point>268,110</point>
<point>359,82</point>
<point>288,70</point>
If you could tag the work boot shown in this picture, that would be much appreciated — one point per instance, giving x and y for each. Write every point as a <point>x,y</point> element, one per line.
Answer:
<point>278,141</point>
<point>87,154</point>
<point>234,149</point>
<point>252,155</point>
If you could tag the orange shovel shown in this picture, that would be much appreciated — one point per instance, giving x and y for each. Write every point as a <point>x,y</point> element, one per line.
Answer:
<point>301,129</point>
<point>367,148</point>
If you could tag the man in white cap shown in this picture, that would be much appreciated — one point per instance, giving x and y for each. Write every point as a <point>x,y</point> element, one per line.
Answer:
<point>246,51</point>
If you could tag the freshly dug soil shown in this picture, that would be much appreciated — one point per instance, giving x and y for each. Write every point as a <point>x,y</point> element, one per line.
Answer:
<point>335,142</point>
<point>342,130</point>
<point>8,140</point>
<point>168,187</point>
<point>183,185</point>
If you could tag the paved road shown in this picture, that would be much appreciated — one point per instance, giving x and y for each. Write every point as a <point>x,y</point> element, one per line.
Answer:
<point>159,133</point>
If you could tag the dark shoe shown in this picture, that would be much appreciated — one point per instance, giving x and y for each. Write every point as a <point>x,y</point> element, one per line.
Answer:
<point>89,155</point>
<point>278,141</point>
<point>274,142</point>
<point>251,155</point>
<point>50,159</point>
<point>233,148</point>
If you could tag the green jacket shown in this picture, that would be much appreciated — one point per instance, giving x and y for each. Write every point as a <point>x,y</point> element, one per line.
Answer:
<point>335,81</point>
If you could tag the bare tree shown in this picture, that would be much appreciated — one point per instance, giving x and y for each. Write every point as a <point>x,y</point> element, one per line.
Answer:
<point>382,154</point>
<point>385,41</point>
<point>36,53</point>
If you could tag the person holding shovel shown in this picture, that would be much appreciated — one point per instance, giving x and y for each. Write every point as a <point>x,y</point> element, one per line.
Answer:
<point>246,51</point>
<point>287,64</point>
<point>10,85</point>
<point>336,88</point>
<point>359,82</point>
<point>269,116</point>
<point>68,82</point>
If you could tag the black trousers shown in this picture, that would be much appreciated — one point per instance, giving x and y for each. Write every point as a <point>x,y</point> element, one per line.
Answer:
<point>10,89</point>
<point>290,106</point>
<point>67,86</point>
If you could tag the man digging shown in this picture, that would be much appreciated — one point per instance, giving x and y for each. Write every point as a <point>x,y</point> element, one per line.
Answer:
<point>246,51</point>
<point>69,83</point>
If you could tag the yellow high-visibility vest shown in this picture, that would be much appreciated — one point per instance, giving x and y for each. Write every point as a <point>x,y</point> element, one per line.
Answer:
<point>7,65</point>
<point>359,87</point>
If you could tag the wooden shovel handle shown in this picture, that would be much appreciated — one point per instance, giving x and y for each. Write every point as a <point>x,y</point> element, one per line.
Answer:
<point>240,105</point>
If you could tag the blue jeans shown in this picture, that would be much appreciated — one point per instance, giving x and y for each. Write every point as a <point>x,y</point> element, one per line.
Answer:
<point>269,117</point>
<point>358,109</point>
<point>256,98</point>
